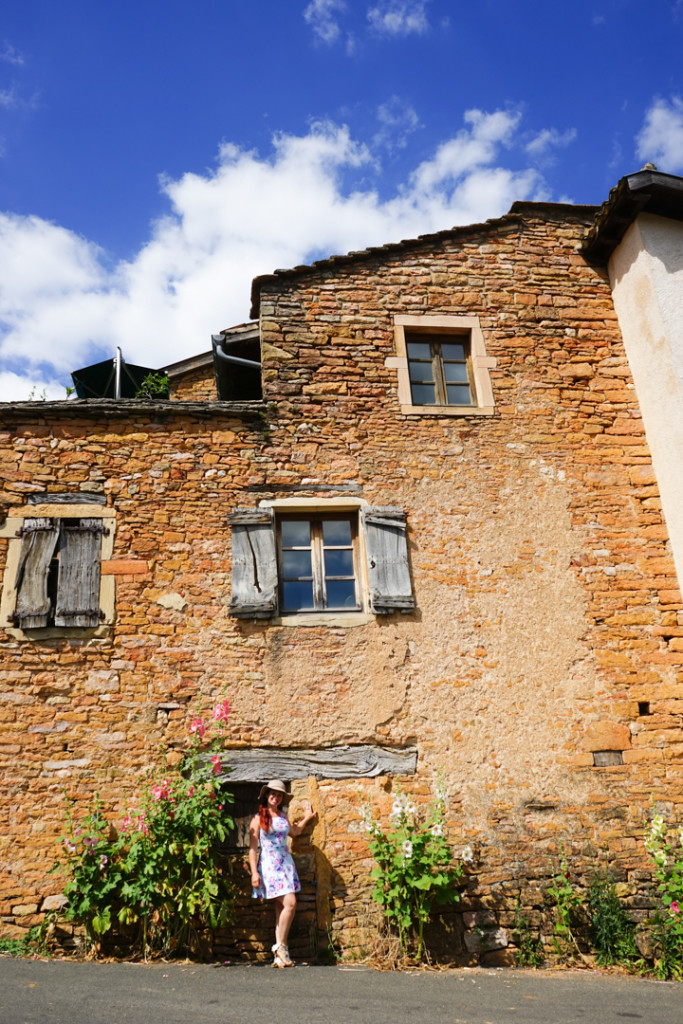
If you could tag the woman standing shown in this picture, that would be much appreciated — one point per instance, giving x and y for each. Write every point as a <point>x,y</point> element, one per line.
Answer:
<point>273,873</point>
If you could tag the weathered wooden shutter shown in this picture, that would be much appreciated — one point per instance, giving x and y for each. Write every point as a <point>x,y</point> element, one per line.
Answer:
<point>38,542</point>
<point>254,564</point>
<point>78,583</point>
<point>387,553</point>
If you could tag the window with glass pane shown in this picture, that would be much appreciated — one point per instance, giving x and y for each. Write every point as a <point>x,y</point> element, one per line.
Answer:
<point>318,564</point>
<point>438,369</point>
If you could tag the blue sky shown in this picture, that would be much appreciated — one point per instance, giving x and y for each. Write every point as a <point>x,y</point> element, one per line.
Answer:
<point>155,157</point>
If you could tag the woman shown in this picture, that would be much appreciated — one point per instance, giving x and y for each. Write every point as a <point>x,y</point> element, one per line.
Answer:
<point>273,874</point>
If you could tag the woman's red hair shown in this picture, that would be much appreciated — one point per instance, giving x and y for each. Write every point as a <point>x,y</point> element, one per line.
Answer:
<point>264,816</point>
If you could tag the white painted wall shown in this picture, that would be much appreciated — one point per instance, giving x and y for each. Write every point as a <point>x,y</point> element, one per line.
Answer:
<point>646,272</point>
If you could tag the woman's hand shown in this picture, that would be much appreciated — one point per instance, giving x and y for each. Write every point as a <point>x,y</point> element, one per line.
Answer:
<point>309,813</point>
<point>255,881</point>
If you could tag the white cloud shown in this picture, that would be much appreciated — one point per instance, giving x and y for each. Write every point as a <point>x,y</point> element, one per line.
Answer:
<point>8,98</point>
<point>9,55</point>
<point>321,15</point>
<point>16,387</point>
<point>549,139</point>
<point>62,307</point>
<point>399,17</point>
<point>398,120</point>
<point>661,137</point>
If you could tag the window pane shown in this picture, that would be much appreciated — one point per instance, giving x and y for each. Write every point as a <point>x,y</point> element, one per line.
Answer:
<point>419,350</point>
<point>456,372</point>
<point>458,395</point>
<point>338,563</point>
<point>296,533</point>
<point>423,394</point>
<point>296,564</point>
<point>341,594</point>
<point>421,371</point>
<point>297,597</point>
<point>452,350</point>
<point>336,531</point>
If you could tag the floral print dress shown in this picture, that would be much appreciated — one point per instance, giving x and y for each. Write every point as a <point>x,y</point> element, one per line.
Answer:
<point>275,863</point>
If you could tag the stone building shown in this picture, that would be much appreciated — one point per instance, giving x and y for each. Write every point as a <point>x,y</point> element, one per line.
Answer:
<point>409,519</point>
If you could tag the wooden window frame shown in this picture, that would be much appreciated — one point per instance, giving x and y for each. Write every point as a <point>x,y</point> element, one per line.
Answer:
<point>438,362</point>
<point>317,549</point>
<point>444,329</point>
<point>381,561</point>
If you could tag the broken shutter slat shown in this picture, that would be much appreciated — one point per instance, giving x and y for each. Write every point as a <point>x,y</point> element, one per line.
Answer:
<point>78,584</point>
<point>38,542</point>
<point>254,564</point>
<point>386,547</point>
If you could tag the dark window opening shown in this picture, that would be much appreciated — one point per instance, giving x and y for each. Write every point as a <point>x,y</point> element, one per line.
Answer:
<point>644,707</point>
<point>236,381</point>
<point>242,810</point>
<point>439,369</point>
<point>317,562</point>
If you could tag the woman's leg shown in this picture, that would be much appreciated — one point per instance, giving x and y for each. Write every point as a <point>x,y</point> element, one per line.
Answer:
<point>278,912</point>
<point>285,917</point>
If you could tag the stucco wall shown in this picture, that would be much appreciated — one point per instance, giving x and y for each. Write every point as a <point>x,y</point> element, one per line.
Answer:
<point>646,271</point>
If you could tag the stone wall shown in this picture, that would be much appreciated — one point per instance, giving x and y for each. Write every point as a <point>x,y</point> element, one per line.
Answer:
<point>546,639</point>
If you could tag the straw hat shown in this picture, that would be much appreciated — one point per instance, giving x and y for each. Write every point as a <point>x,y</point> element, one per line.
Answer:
<point>275,786</point>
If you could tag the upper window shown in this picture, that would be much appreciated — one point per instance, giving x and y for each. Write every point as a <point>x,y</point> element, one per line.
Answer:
<point>53,574</point>
<point>317,561</point>
<point>439,370</point>
<point>300,558</point>
<point>443,368</point>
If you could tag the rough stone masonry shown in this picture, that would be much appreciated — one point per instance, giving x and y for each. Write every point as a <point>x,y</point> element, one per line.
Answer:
<point>540,668</point>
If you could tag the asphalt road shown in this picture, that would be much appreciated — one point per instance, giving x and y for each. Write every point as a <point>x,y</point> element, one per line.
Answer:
<point>67,992</point>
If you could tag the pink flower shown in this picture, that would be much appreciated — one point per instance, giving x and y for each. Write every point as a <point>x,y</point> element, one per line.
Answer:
<point>162,790</point>
<point>217,764</point>
<point>190,791</point>
<point>221,711</point>
<point>197,725</point>
<point>674,907</point>
<point>126,823</point>
<point>103,860</point>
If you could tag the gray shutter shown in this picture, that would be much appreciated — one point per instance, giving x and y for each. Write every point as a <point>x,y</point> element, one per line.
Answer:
<point>38,542</point>
<point>78,584</point>
<point>387,553</point>
<point>254,564</point>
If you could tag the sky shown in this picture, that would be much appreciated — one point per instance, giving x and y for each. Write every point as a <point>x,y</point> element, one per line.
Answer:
<point>155,157</point>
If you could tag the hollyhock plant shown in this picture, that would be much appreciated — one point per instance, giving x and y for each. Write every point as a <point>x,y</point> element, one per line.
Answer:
<point>162,869</point>
<point>414,866</point>
<point>667,922</point>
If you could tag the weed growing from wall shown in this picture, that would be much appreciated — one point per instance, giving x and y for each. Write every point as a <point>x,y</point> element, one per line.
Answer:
<point>529,952</point>
<point>613,933</point>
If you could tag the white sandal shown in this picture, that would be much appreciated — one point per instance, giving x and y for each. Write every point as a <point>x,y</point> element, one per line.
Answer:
<point>281,955</point>
<point>278,958</point>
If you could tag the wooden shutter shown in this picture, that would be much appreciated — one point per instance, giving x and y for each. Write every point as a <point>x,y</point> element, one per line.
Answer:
<point>387,554</point>
<point>38,542</point>
<point>78,583</point>
<point>254,564</point>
